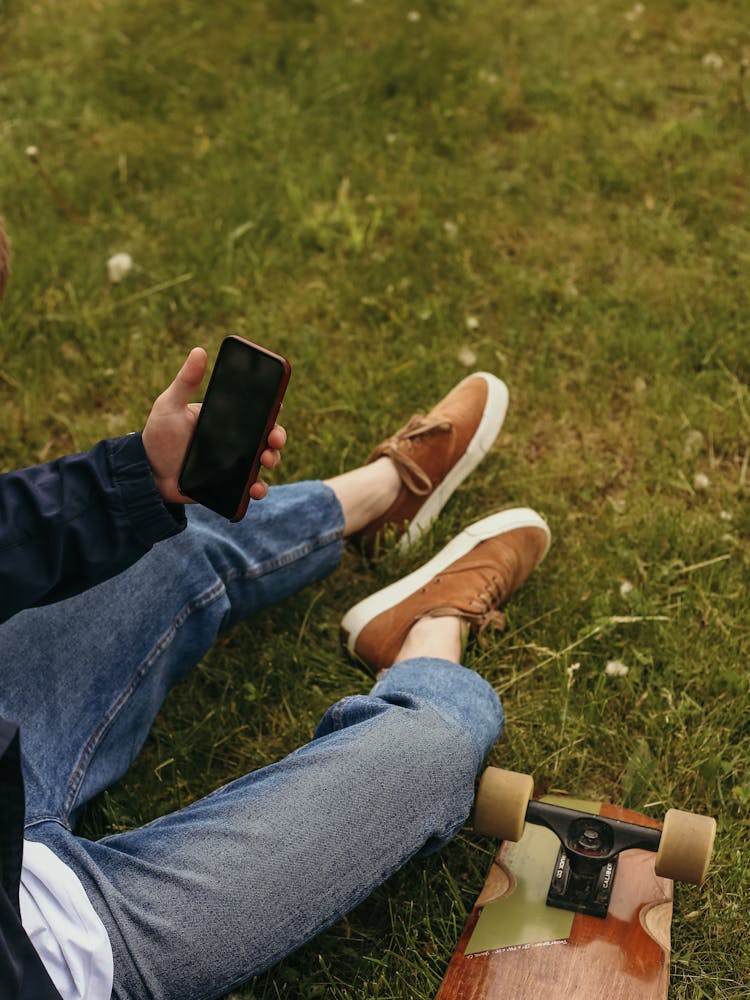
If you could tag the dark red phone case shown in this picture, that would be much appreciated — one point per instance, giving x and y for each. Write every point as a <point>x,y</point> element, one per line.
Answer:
<point>273,413</point>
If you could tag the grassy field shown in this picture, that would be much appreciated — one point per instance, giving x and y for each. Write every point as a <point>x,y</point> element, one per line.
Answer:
<point>553,191</point>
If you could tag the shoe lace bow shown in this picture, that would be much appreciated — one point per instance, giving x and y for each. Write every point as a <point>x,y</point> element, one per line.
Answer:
<point>487,601</point>
<point>413,476</point>
<point>482,610</point>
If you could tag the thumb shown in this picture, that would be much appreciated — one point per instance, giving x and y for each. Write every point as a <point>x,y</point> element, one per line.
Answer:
<point>188,378</point>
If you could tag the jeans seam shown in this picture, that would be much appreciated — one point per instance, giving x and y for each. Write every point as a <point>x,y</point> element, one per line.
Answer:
<point>337,713</point>
<point>87,753</point>
<point>42,820</point>
<point>285,559</point>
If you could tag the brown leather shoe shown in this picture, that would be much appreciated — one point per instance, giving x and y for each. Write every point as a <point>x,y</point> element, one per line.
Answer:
<point>435,453</point>
<point>470,578</point>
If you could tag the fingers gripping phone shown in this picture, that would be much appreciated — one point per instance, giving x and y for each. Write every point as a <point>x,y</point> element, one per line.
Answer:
<point>239,410</point>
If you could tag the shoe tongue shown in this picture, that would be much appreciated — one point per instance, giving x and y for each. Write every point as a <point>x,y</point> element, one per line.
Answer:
<point>421,424</point>
<point>493,583</point>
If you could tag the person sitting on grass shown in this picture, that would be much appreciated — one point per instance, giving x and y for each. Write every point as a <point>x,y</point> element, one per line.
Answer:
<point>112,588</point>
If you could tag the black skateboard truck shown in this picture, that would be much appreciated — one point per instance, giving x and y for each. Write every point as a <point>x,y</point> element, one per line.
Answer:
<point>586,863</point>
<point>590,844</point>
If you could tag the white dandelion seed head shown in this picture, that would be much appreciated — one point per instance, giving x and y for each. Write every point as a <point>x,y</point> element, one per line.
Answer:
<point>626,587</point>
<point>693,444</point>
<point>118,266</point>
<point>636,11</point>
<point>616,668</point>
<point>725,515</point>
<point>472,323</point>
<point>413,16</point>
<point>467,357</point>
<point>713,61</point>
<point>701,481</point>
<point>450,228</point>
<point>32,152</point>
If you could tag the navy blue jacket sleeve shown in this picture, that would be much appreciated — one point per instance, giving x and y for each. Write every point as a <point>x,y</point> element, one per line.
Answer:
<point>72,523</point>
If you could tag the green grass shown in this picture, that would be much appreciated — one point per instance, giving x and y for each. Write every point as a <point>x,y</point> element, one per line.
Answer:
<point>350,186</point>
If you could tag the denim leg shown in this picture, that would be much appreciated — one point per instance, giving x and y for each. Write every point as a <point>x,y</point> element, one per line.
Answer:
<point>86,677</point>
<point>203,899</point>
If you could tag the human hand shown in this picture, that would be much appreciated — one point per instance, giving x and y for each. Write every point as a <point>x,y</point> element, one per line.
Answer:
<point>170,426</point>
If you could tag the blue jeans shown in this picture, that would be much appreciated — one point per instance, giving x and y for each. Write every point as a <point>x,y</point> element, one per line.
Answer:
<point>203,899</point>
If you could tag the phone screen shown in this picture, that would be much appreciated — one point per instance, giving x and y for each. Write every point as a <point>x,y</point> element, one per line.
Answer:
<point>230,431</point>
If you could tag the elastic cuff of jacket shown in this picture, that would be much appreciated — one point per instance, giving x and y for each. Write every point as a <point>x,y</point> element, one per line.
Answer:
<point>152,519</point>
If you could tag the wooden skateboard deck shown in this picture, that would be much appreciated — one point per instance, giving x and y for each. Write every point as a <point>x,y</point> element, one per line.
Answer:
<point>516,947</point>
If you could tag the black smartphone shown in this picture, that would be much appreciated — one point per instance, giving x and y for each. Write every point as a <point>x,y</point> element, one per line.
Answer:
<point>239,410</point>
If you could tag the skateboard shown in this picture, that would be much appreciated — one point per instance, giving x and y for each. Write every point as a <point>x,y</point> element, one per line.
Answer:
<point>578,902</point>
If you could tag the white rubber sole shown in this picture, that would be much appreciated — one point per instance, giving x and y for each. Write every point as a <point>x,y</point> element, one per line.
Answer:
<point>495,408</point>
<point>496,524</point>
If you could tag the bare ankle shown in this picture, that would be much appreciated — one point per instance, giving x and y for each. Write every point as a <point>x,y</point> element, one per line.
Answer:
<point>438,638</point>
<point>366,493</point>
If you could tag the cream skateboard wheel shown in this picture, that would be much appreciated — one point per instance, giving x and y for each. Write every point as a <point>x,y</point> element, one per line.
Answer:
<point>501,803</point>
<point>685,848</point>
